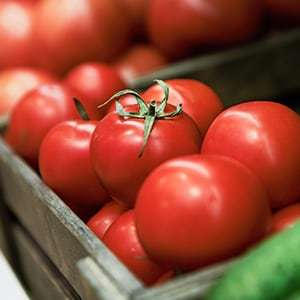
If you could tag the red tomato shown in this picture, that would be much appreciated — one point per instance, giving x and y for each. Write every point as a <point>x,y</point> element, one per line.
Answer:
<point>141,59</point>
<point>199,209</point>
<point>34,115</point>
<point>199,101</point>
<point>285,218</point>
<point>265,137</point>
<point>16,82</point>
<point>105,217</point>
<point>69,32</point>
<point>179,27</point>
<point>16,27</point>
<point>118,141</point>
<point>94,83</point>
<point>65,166</point>
<point>122,240</point>
<point>284,12</point>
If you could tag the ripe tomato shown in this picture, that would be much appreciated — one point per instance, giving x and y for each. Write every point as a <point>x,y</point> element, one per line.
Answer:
<point>94,83</point>
<point>65,166</point>
<point>285,218</point>
<point>69,32</point>
<point>105,217</point>
<point>199,101</point>
<point>118,142</point>
<point>16,82</point>
<point>284,12</point>
<point>199,209</point>
<point>179,27</point>
<point>122,240</point>
<point>34,115</point>
<point>265,137</point>
<point>139,60</point>
<point>16,27</point>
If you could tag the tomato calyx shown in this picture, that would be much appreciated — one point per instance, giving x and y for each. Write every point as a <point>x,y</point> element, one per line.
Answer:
<point>149,112</point>
<point>81,110</point>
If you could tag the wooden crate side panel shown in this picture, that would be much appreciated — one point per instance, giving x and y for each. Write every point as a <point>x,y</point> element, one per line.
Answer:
<point>40,275</point>
<point>61,235</point>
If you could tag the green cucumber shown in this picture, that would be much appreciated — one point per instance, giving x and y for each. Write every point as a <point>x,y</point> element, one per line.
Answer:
<point>269,271</point>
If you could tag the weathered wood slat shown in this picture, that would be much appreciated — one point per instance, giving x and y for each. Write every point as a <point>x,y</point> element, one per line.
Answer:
<point>41,277</point>
<point>60,233</point>
<point>186,287</point>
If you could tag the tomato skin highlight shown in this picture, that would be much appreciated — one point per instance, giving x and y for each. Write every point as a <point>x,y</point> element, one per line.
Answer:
<point>265,137</point>
<point>285,218</point>
<point>196,210</point>
<point>16,82</point>
<point>192,25</point>
<point>122,240</point>
<point>34,115</point>
<point>105,217</point>
<point>65,166</point>
<point>115,157</point>
<point>94,83</point>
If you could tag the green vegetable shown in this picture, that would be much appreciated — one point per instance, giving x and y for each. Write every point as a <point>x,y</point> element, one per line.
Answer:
<point>268,272</point>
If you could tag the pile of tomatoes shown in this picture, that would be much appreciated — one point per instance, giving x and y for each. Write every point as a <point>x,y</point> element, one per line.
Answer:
<point>167,179</point>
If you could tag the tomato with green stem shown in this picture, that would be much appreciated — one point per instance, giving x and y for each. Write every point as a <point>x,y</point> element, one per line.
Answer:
<point>129,143</point>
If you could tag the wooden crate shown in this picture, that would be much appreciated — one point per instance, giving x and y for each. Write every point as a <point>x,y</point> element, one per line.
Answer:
<point>260,70</point>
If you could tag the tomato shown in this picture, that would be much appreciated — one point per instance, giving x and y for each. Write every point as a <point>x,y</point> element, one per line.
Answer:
<point>105,217</point>
<point>16,27</point>
<point>122,157</point>
<point>199,101</point>
<point>265,137</point>
<point>34,115</point>
<point>139,60</point>
<point>16,82</point>
<point>94,83</point>
<point>122,240</point>
<point>68,32</point>
<point>199,209</point>
<point>180,27</point>
<point>285,218</point>
<point>284,12</point>
<point>65,166</point>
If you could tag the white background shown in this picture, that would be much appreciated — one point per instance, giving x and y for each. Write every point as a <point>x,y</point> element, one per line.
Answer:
<point>10,287</point>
